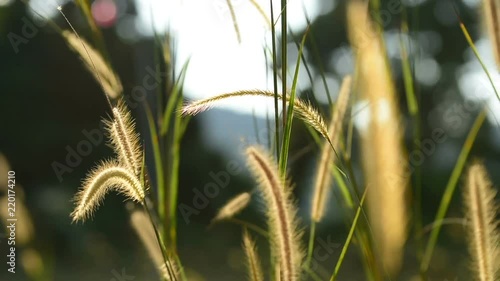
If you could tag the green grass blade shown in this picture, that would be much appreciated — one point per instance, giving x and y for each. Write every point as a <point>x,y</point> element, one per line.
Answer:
<point>317,58</point>
<point>476,53</point>
<point>284,59</point>
<point>275,82</point>
<point>288,127</point>
<point>459,166</point>
<point>407,77</point>
<point>413,109</point>
<point>450,189</point>
<point>349,238</point>
<point>344,190</point>
<point>160,181</point>
<point>173,184</point>
<point>310,247</point>
<point>175,95</point>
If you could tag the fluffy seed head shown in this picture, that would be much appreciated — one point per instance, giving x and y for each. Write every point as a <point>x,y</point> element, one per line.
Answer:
<point>482,227</point>
<point>303,109</point>
<point>281,213</point>
<point>382,146</point>
<point>323,178</point>
<point>107,176</point>
<point>233,207</point>
<point>252,259</point>
<point>124,139</point>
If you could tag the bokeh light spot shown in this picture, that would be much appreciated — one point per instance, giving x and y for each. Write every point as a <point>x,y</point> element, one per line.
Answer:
<point>104,12</point>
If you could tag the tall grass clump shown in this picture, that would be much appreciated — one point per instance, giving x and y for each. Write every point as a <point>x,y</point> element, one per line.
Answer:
<point>379,235</point>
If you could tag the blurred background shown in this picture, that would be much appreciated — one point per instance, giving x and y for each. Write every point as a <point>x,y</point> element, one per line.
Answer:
<point>50,104</point>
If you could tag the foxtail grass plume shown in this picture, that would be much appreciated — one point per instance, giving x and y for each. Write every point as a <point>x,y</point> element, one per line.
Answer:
<point>323,177</point>
<point>233,207</point>
<point>491,10</point>
<point>482,227</point>
<point>281,214</point>
<point>382,146</point>
<point>303,109</point>
<point>107,176</point>
<point>252,259</point>
<point>124,139</point>
<point>121,175</point>
<point>96,64</point>
<point>142,226</point>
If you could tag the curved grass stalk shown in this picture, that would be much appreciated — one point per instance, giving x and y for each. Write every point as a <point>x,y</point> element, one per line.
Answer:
<point>303,109</point>
<point>96,65</point>
<point>234,19</point>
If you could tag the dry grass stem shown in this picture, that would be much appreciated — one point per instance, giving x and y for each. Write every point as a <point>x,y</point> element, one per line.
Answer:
<point>234,19</point>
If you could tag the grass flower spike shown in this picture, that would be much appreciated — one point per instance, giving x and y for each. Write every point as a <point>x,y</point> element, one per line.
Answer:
<point>121,175</point>
<point>382,141</point>
<point>304,110</point>
<point>323,178</point>
<point>281,214</point>
<point>252,259</point>
<point>233,207</point>
<point>482,228</point>
<point>124,138</point>
<point>107,176</point>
